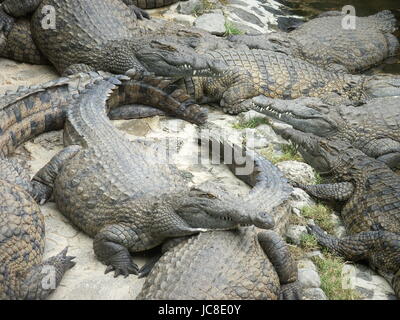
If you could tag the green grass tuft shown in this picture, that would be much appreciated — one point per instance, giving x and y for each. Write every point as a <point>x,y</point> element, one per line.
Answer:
<point>330,272</point>
<point>252,123</point>
<point>289,153</point>
<point>231,29</point>
<point>321,215</point>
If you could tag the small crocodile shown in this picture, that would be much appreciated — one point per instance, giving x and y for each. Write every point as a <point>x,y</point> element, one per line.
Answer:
<point>373,128</point>
<point>250,73</point>
<point>126,195</point>
<point>324,41</point>
<point>371,194</point>
<point>217,265</point>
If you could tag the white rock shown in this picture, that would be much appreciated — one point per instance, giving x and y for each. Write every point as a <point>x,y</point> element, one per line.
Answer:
<point>309,278</point>
<point>297,171</point>
<point>294,233</point>
<point>213,22</point>
<point>306,264</point>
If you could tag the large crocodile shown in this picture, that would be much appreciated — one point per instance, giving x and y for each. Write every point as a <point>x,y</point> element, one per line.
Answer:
<point>373,128</point>
<point>126,195</point>
<point>23,115</point>
<point>250,73</point>
<point>235,265</point>
<point>324,41</point>
<point>371,194</point>
<point>110,42</point>
<point>240,264</point>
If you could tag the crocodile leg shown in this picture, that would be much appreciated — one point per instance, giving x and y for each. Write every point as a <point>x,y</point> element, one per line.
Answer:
<point>110,246</point>
<point>240,89</point>
<point>43,181</point>
<point>278,253</point>
<point>334,191</point>
<point>381,248</point>
<point>43,279</point>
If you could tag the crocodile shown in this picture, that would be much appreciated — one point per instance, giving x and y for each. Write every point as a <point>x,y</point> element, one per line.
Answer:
<point>126,195</point>
<point>373,128</point>
<point>236,265</point>
<point>250,73</point>
<point>370,192</point>
<point>323,41</point>
<point>23,115</point>
<point>116,46</point>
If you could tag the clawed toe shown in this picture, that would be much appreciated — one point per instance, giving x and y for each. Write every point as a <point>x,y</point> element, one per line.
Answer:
<point>123,269</point>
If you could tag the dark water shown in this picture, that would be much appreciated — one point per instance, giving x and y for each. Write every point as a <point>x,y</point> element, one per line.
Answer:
<point>311,8</point>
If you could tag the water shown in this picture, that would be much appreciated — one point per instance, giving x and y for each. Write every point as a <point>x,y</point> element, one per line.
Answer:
<point>311,8</point>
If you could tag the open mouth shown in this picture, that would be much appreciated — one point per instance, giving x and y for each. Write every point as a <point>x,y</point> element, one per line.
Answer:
<point>204,72</point>
<point>273,112</point>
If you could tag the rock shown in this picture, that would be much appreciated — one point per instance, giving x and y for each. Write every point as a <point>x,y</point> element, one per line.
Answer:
<point>297,171</point>
<point>340,230</point>
<point>294,233</point>
<point>366,282</point>
<point>213,22</point>
<point>316,253</point>
<point>309,278</point>
<point>314,294</point>
<point>299,199</point>
<point>306,264</point>
<point>254,140</point>
<point>190,7</point>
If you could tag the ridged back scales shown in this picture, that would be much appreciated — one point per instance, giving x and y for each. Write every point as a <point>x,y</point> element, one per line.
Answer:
<point>214,265</point>
<point>81,26</point>
<point>324,39</point>
<point>279,76</point>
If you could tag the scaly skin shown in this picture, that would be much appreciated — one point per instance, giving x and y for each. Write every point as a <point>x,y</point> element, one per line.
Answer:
<point>111,41</point>
<point>125,194</point>
<point>371,192</point>
<point>23,115</point>
<point>254,72</point>
<point>324,42</point>
<point>219,265</point>
<point>373,128</point>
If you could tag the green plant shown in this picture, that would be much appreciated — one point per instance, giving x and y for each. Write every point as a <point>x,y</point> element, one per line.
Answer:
<point>289,153</point>
<point>321,215</point>
<point>330,271</point>
<point>231,29</point>
<point>252,123</point>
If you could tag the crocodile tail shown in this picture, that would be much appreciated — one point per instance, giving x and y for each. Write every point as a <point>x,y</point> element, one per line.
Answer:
<point>30,111</point>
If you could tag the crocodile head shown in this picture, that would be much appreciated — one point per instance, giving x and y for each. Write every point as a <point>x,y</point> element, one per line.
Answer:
<point>304,114</point>
<point>167,58</point>
<point>327,156</point>
<point>209,206</point>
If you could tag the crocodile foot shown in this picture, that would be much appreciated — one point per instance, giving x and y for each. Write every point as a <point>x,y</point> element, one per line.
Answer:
<point>63,260</point>
<point>121,264</point>
<point>139,13</point>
